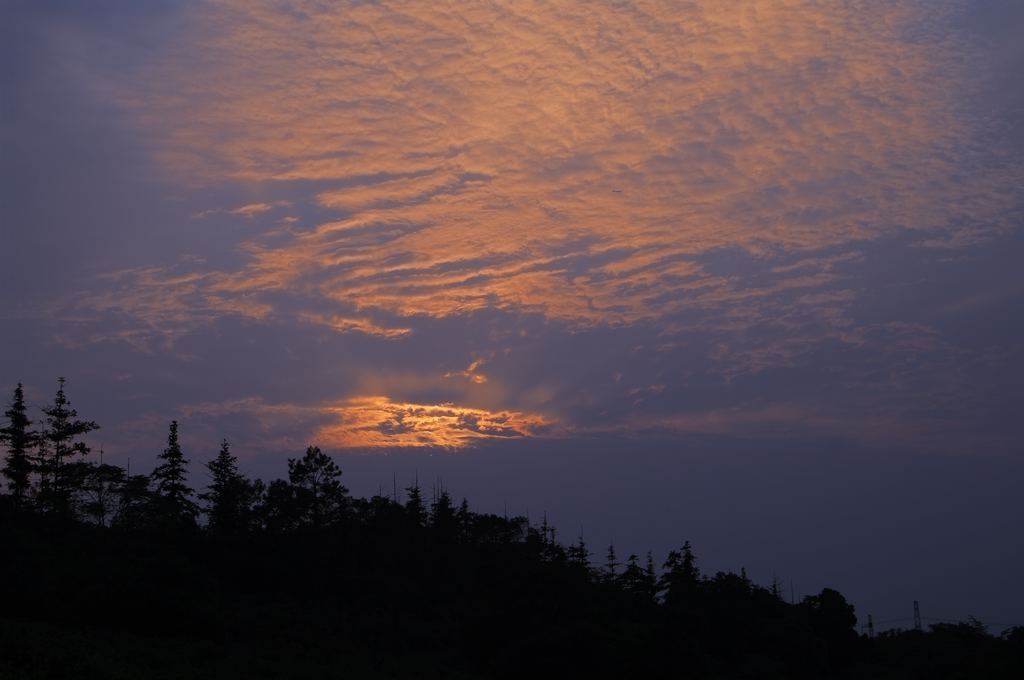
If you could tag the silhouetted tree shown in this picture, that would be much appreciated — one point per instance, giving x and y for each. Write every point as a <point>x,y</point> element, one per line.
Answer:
<point>414,505</point>
<point>544,536</point>
<point>280,511</point>
<point>505,592</point>
<point>544,531</point>
<point>650,577</point>
<point>464,519</point>
<point>578,554</point>
<point>776,588</point>
<point>442,516</point>
<point>680,577</point>
<point>18,439</point>
<point>135,503</point>
<point>633,578</point>
<point>171,492</point>
<point>59,444</point>
<point>1014,635</point>
<point>99,489</point>
<point>611,565</point>
<point>230,496</point>
<point>833,618</point>
<point>319,494</point>
<point>830,611</point>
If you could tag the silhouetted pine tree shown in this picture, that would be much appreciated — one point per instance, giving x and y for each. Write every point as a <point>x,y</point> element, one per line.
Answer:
<point>550,549</point>
<point>464,519</point>
<point>316,479</point>
<point>650,577</point>
<point>414,505</point>
<point>18,439</point>
<point>58,445</point>
<point>633,578</point>
<point>172,494</point>
<point>611,565</point>
<point>776,588</point>
<point>578,554</point>
<point>442,516</point>
<point>229,497</point>
<point>681,577</point>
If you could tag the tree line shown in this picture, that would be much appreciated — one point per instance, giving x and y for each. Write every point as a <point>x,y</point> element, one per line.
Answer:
<point>297,578</point>
<point>47,471</point>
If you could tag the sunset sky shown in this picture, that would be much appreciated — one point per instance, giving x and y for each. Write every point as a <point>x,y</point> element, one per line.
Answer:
<point>745,273</point>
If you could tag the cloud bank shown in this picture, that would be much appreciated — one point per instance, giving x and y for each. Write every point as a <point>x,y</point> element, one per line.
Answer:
<point>704,192</point>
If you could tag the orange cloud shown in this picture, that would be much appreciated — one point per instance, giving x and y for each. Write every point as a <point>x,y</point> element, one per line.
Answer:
<point>377,421</point>
<point>371,422</point>
<point>570,158</point>
<point>344,324</point>
<point>585,162</point>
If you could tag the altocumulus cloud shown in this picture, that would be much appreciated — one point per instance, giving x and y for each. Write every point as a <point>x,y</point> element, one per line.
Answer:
<point>617,205</point>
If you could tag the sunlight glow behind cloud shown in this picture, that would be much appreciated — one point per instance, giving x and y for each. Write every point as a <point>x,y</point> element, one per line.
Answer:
<point>705,173</point>
<point>379,422</point>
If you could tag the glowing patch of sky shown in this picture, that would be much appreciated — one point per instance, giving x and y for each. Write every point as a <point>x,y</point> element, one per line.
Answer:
<point>714,178</point>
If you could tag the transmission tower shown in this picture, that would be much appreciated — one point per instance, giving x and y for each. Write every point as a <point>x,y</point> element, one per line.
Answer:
<point>917,616</point>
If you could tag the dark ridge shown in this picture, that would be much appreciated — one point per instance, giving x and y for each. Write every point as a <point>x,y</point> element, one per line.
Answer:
<point>111,575</point>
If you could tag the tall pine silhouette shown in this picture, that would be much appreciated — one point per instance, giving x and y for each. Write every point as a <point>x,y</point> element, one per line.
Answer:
<point>59,444</point>
<point>415,508</point>
<point>229,494</point>
<point>18,440</point>
<point>172,494</point>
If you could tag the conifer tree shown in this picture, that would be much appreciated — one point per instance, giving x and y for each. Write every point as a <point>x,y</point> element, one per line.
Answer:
<point>650,577</point>
<point>544,530</point>
<point>172,493</point>
<point>442,515</point>
<point>414,506</point>
<point>59,444</point>
<point>633,578</point>
<point>776,589</point>
<point>18,439</point>
<point>229,495</point>
<point>316,480</point>
<point>611,564</point>
<point>688,565</point>
<point>578,554</point>
<point>464,519</point>
<point>681,577</point>
<point>550,550</point>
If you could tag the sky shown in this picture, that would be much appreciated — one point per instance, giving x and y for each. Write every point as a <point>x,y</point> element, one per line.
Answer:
<point>745,274</point>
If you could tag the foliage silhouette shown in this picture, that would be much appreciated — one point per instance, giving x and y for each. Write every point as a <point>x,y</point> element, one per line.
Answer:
<point>232,500</point>
<point>60,444</point>
<point>18,439</point>
<point>296,579</point>
<point>172,495</point>
<point>318,494</point>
